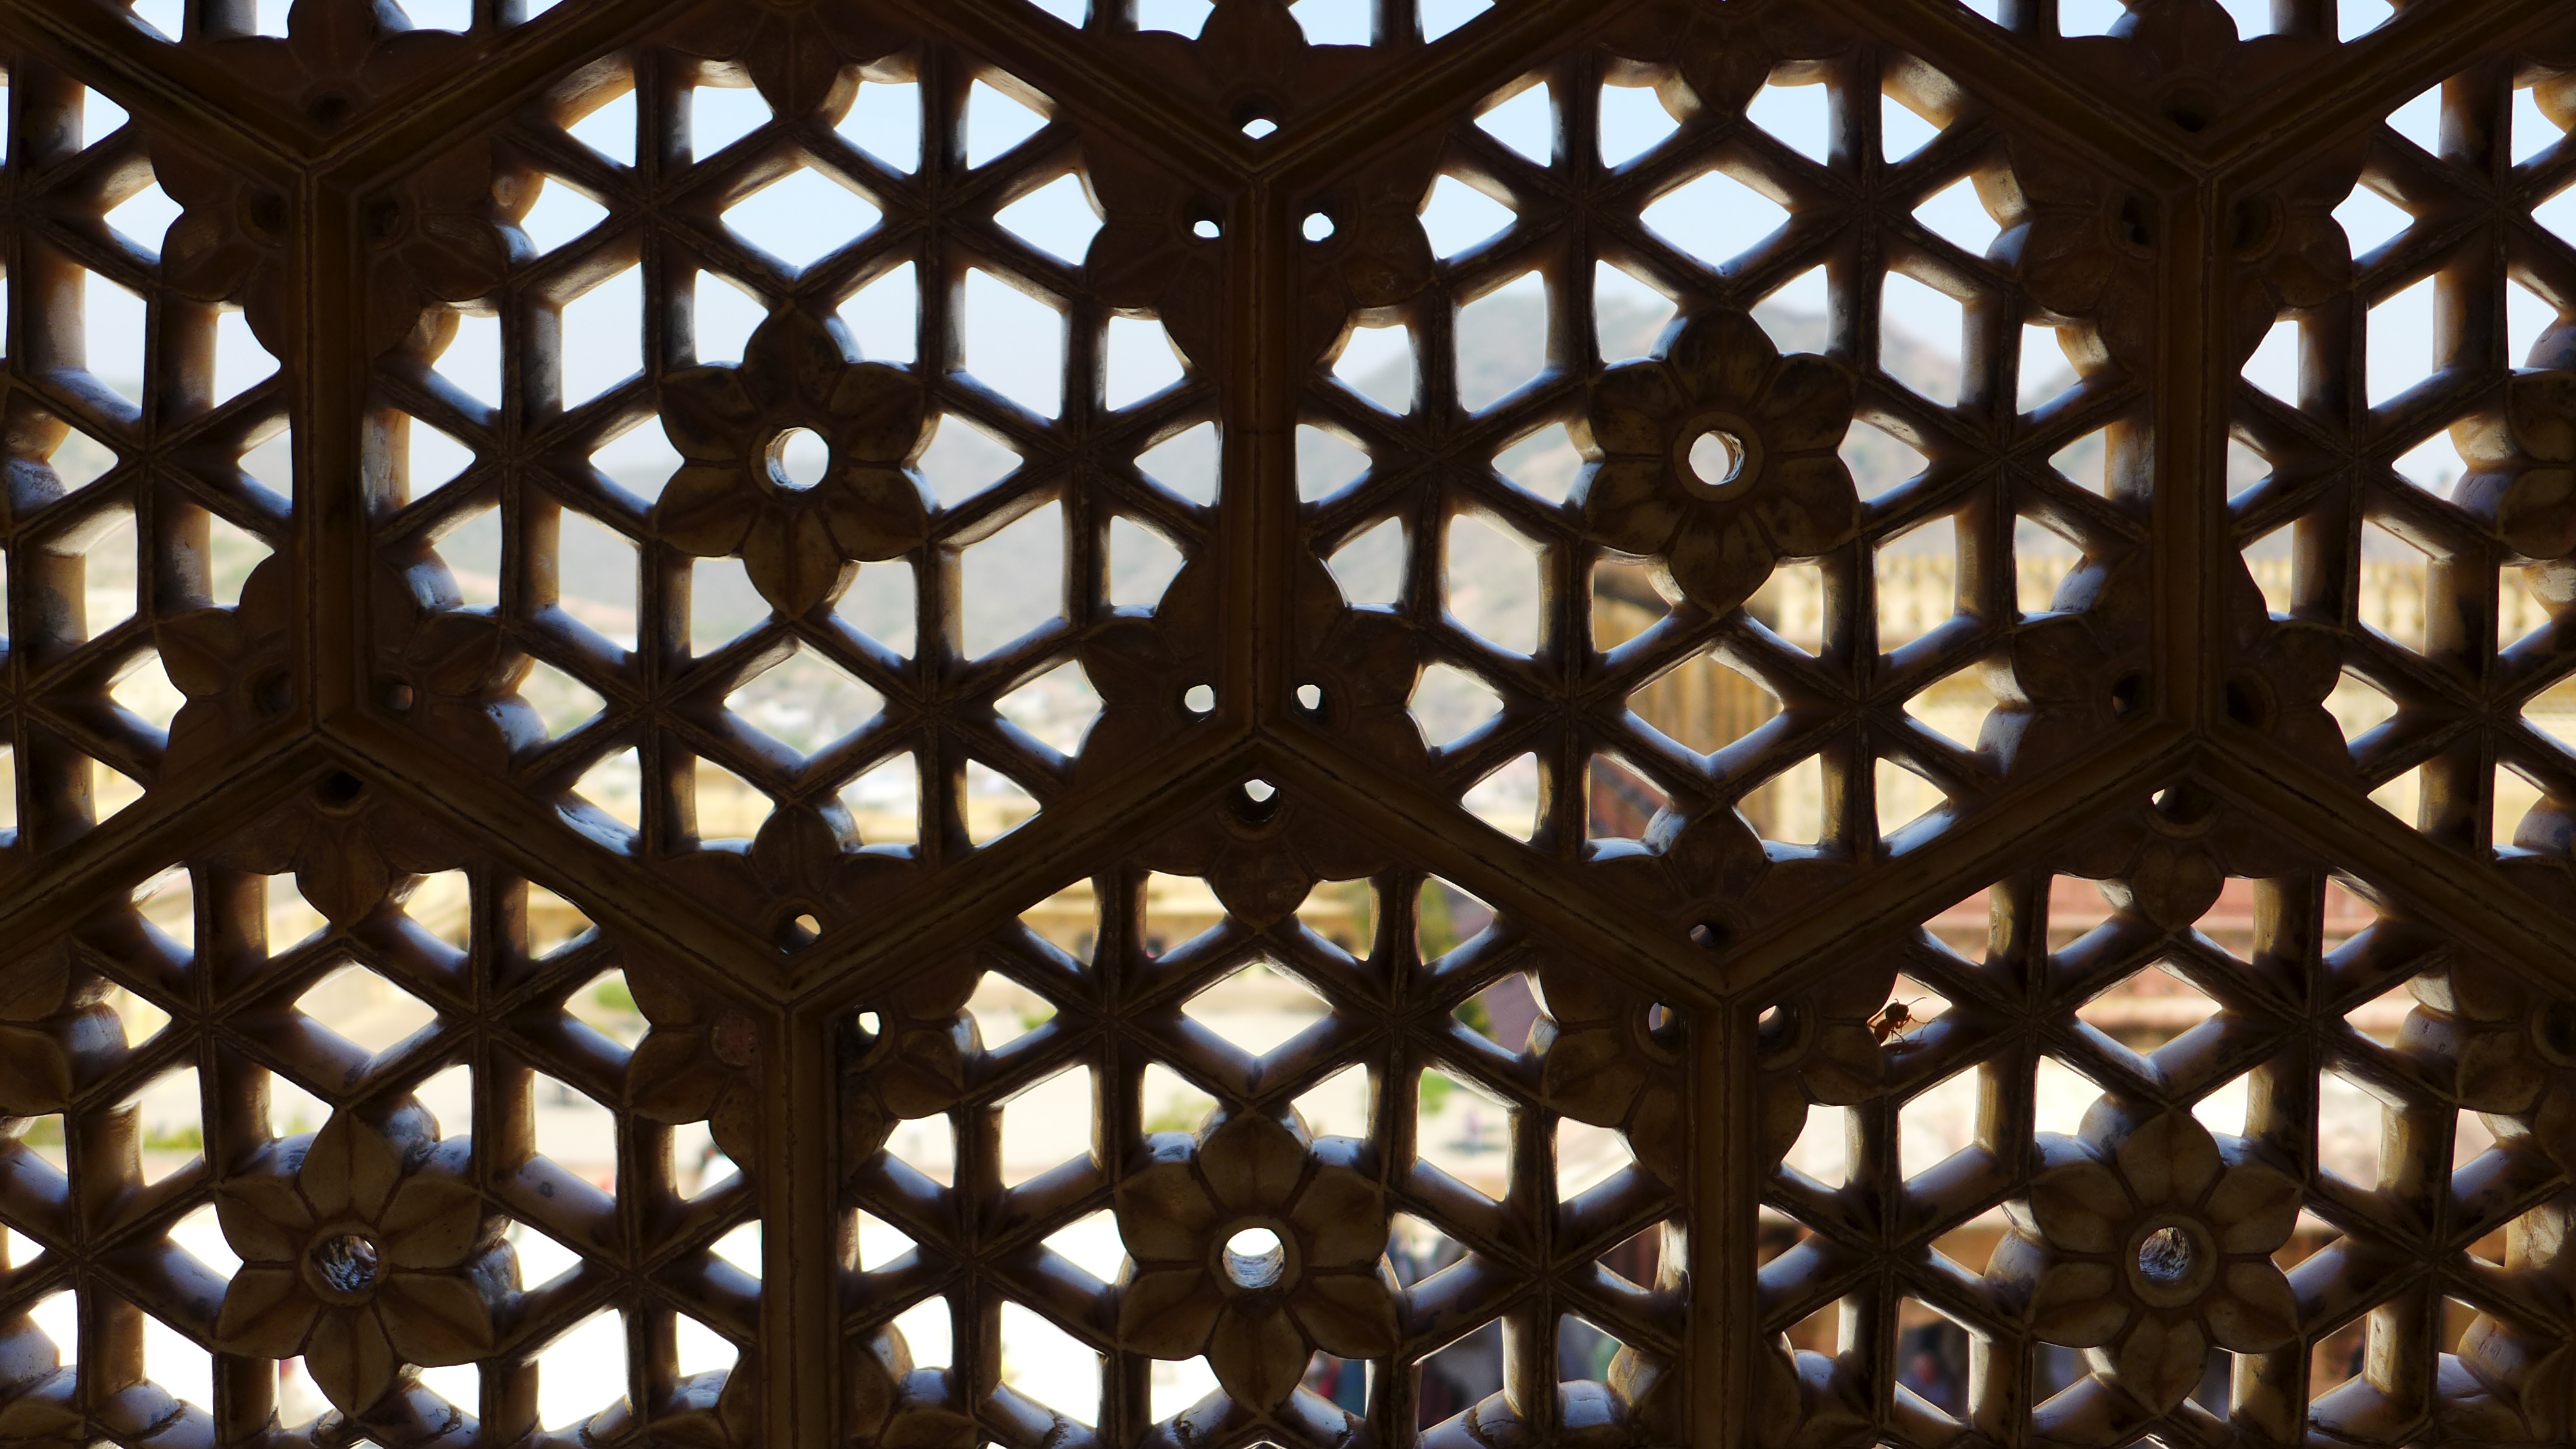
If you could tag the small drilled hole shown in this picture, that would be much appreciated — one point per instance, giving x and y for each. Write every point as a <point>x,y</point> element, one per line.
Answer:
<point>2247,704</point>
<point>1255,1258</point>
<point>1663,1026</point>
<point>1708,935</point>
<point>2164,1258</point>
<point>346,1262</point>
<point>799,931</point>
<point>869,1023</point>
<point>1256,801</point>
<point>799,458</point>
<point>1319,227</point>
<point>1207,230</point>
<point>1199,699</point>
<point>1310,698</point>
<point>1261,792</point>
<point>2134,224</point>
<point>1259,126</point>
<point>2127,694</point>
<point>271,693</point>
<point>340,790</point>
<point>399,697</point>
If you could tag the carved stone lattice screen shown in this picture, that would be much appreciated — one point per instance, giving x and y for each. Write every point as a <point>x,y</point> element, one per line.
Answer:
<point>690,684</point>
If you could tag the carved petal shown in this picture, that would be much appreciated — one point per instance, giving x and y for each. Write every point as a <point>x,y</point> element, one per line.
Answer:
<point>2074,1305</point>
<point>435,1320</point>
<point>2254,1310</point>
<point>350,1359</point>
<point>2169,1160</point>
<point>1349,1315</point>
<point>1168,1312</point>
<point>1258,1357</point>
<point>1164,1214</point>
<point>705,509</point>
<point>1343,1217</point>
<point>350,1169</point>
<point>264,1218</point>
<point>2077,1206</point>
<point>266,1313</point>
<point>1253,1163</point>
<point>432,1222</point>
<point>2253,1208</point>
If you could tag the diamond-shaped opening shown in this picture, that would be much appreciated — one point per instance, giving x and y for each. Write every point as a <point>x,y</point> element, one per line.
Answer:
<point>2404,573</point>
<point>1932,1357</point>
<point>2041,561</point>
<point>1339,1105</point>
<point>442,903</point>
<point>2420,120</point>
<point>2402,343</point>
<point>293,1111</point>
<point>1044,1363</point>
<point>111,790</point>
<point>1344,913</point>
<point>1795,313</point>
<point>2222,1109</point>
<point>1587,1156</point>
<point>2553,713</point>
<point>1464,1131</point>
<point>44,1137</point>
<point>1799,116</point>
<point>1621,803</point>
<point>1069,919</point>
<point>2269,560</point>
<point>2471,1139</point>
<point>1258,1008</point>
<point>291,920</point>
<point>2060,1097</point>
<point>722,115</point>
<point>1545,463</point>
<point>100,117</point>
<point>1911,1006</point>
<point>1333,22</point>
<point>724,316</point>
<point>1181,17</point>
<point>79,459</point>
<point>1904,797</point>
<point>113,329</point>
<point>2086,462</point>
<point>177,1364</point>
<point>1140,362</point>
<point>1057,218</point>
<point>805,701</point>
<point>1005,1011</point>
<point>241,362</point>
<point>2528,316</point>
<point>1449,704</point>
<point>1704,705</point>
<point>1628,316</point>
<point>1920,334</point>
<point>2149,1009</point>
<point>2433,465</point>
<point>1178,908</point>
<point>1090,1243</point>
<point>1917,582</point>
<point>582,1372</point>
<point>107,538</point>
<point>609,128</point>
<point>172,1125</point>
<point>144,217</point>
<point>471,362</point>
<point>1044,1123</point>
<point>169,19</point>
<point>884,120</point>
<point>615,787</point>
<point>1013,582</point>
<point>1526,122</point>
<point>365,1010</point>
<point>2089,17</point>
<point>1959,217</point>
<point>449,1096</point>
<point>997,122</point>
<point>1173,1386</point>
<point>1439,17</point>
<point>1502,343</point>
<point>595,572</point>
<point>1955,707</point>
<point>145,691</point>
<point>1171,1102</point>
<point>886,802</point>
<point>2274,367</point>
<point>1971,1245</point>
<point>1501,1013</point>
<point>231,555</point>
<point>2047,370</point>
<point>1326,463</point>
<point>729,807</point>
<point>1186,463</point>
<point>603,337</point>
<point>1457,217</point>
<point>704,1169</point>
<point>700,1349</point>
<point>168,901</point>
<point>1902,130</point>
<point>1492,583</point>
<point>1014,343</point>
<point>1714,218</point>
<point>1057,707</point>
<point>606,1006</point>
<point>200,1234</point>
<point>1142,564</point>
<point>1507,799</point>
<point>995,804</point>
<point>1633,121</point>
<point>2383,1016</point>
<point>2514,798</point>
<point>1823,1148</point>
<point>1377,363</point>
<point>1371,567</point>
<point>964,458</point>
<point>574,1131</point>
<point>884,317</point>
<point>2350,1125</point>
<point>563,703</point>
<point>2533,131</point>
<point>561,214</point>
<point>2359,707</point>
<point>1879,460</point>
<point>723,604</point>
<point>470,546</point>
<point>639,460</point>
<point>2245,468</point>
<point>1937,1122</point>
<point>2371,220</point>
<point>1446,918</point>
<point>1790,806</point>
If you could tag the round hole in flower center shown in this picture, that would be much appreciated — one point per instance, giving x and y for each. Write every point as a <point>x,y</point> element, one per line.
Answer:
<point>347,1262</point>
<point>2165,1257</point>
<point>1717,457</point>
<point>799,458</point>
<point>1255,1258</point>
